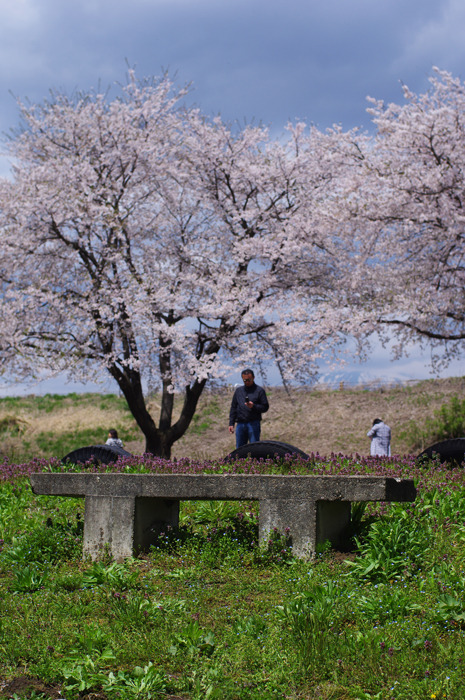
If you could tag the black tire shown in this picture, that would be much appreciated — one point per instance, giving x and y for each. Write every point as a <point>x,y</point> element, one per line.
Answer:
<point>266,449</point>
<point>105,454</point>
<point>451,451</point>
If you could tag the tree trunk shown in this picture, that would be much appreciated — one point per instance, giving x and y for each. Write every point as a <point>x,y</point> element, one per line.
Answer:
<point>158,441</point>
<point>158,445</point>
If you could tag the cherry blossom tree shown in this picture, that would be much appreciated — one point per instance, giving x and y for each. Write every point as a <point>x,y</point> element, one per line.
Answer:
<point>409,210</point>
<point>144,240</point>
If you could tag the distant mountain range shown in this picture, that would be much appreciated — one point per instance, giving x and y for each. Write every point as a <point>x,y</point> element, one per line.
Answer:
<point>362,378</point>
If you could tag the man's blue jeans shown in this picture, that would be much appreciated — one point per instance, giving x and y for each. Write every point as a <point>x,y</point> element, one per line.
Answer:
<point>247,432</point>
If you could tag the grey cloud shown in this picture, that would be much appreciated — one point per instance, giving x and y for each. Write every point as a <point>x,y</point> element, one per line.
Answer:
<point>270,61</point>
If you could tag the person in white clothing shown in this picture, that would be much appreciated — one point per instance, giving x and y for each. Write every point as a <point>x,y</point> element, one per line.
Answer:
<point>113,439</point>
<point>380,435</point>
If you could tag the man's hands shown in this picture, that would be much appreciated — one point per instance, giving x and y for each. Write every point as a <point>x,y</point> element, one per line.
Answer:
<point>249,405</point>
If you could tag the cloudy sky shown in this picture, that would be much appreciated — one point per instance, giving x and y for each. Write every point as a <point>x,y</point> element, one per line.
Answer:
<point>268,61</point>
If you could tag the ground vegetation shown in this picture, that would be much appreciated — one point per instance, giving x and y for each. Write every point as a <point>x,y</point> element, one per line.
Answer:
<point>209,613</point>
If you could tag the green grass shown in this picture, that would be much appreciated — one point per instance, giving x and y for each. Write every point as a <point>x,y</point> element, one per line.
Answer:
<point>208,614</point>
<point>50,402</point>
<point>448,422</point>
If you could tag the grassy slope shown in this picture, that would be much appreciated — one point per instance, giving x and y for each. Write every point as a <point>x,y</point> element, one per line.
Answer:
<point>319,420</point>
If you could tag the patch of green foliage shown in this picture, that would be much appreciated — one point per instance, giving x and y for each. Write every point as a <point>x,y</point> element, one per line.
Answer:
<point>11,425</point>
<point>448,422</point>
<point>203,419</point>
<point>209,613</point>
<point>49,402</point>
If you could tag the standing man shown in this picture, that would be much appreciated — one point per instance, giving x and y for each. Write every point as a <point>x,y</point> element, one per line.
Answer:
<point>380,436</point>
<point>248,404</point>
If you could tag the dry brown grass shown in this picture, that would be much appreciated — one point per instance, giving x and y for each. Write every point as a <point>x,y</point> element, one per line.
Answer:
<point>318,420</point>
<point>74,418</point>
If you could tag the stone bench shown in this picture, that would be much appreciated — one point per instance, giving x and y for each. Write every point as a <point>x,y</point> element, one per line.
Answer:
<point>124,513</point>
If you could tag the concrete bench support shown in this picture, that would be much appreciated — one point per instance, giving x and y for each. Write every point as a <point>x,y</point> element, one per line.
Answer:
<point>125,524</point>
<point>125,513</point>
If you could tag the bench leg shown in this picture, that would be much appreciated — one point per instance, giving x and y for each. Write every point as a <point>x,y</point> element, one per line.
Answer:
<point>297,515</point>
<point>310,523</point>
<point>333,519</point>
<point>122,526</point>
<point>109,526</point>
<point>153,516</point>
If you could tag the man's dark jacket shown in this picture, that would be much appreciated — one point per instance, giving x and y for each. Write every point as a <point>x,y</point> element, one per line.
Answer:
<point>239,412</point>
